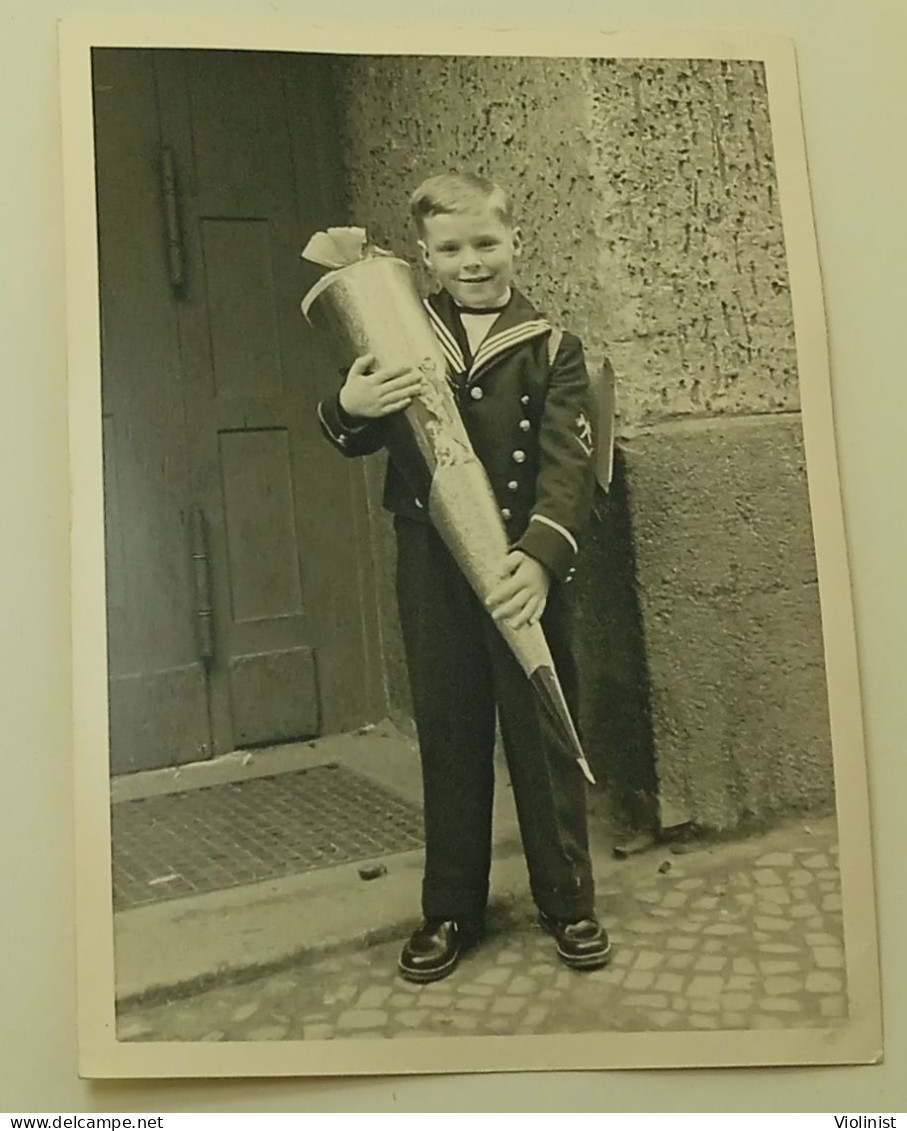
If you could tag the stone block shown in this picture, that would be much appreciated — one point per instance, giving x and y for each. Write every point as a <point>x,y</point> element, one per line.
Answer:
<point>775,966</point>
<point>773,897</point>
<point>736,1001</point>
<point>647,960</point>
<point>374,997</point>
<point>508,1005</point>
<point>776,860</point>
<point>522,985</point>
<point>647,1001</point>
<point>362,1019</point>
<point>411,1018</point>
<point>465,1024</point>
<point>820,938</point>
<point>820,982</point>
<point>828,957</point>
<point>638,980</point>
<point>780,1005</point>
<point>766,877</point>
<point>496,976</point>
<point>772,923</point>
<point>711,964</point>
<point>535,1016</point>
<point>472,1004</point>
<point>705,986</point>
<point>267,1033</point>
<point>678,942</point>
<point>726,577</point>
<point>780,985</point>
<point>703,1021</point>
<point>834,1006</point>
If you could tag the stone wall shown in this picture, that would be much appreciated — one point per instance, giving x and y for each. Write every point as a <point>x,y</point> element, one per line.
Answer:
<point>647,198</point>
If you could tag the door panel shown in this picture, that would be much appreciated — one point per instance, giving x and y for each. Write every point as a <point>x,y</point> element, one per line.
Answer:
<point>158,694</point>
<point>152,712</point>
<point>275,696</point>
<point>226,412</point>
<point>262,544</point>
<point>239,287</point>
<point>248,411</point>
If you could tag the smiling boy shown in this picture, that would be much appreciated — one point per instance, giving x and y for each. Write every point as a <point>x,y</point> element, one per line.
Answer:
<point>522,389</point>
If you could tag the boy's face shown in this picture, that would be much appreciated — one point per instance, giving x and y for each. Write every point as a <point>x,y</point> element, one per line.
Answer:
<point>471,254</point>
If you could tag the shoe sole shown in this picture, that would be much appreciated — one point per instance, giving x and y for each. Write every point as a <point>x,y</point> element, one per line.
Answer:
<point>590,962</point>
<point>422,977</point>
<point>586,962</point>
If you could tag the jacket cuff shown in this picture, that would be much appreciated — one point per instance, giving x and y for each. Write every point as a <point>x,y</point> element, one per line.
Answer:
<point>551,544</point>
<point>350,423</point>
<point>338,424</point>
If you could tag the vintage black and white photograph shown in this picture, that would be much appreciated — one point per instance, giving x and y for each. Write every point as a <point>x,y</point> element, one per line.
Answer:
<point>459,582</point>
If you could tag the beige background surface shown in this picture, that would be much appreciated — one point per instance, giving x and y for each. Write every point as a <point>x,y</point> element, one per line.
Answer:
<point>850,60</point>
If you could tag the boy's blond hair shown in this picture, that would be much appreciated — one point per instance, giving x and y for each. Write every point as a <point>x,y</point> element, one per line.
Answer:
<point>458,192</point>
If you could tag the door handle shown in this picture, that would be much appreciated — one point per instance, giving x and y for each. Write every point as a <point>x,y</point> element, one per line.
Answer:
<point>201,577</point>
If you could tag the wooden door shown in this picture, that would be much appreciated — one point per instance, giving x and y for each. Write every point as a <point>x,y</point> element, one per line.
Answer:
<point>223,164</point>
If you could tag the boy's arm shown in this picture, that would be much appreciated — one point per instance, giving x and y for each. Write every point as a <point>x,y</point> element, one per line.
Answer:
<point>354,420</point>
<point>566,479</point>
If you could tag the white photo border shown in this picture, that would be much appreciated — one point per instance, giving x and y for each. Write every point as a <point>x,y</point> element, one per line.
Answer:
<point>859,1040</point>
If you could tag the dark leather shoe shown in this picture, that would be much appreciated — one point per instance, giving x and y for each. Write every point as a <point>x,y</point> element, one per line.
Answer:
<point>582,944</point>
<point>434,950</point>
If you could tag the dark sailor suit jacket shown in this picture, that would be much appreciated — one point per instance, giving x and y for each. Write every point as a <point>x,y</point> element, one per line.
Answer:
<point>524,399</point>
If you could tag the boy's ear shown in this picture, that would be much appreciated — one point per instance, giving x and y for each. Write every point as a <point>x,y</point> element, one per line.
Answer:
<point>426,258</point>
<point>517,237</point>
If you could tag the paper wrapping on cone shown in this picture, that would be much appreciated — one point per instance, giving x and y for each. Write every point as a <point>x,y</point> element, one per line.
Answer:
<point>372,307</point>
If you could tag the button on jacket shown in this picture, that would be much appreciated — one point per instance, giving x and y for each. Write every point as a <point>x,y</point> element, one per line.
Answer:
<point>527,415</point>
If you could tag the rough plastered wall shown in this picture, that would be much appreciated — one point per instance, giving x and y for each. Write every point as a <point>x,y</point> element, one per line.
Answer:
<point>647,197</point>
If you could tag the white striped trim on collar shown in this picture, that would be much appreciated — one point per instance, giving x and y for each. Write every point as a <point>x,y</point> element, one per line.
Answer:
<point>498,343</point>
<point>447,341</point>
<point>557,526</point>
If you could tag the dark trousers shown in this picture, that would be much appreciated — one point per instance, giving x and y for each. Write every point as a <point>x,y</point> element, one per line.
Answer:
<point>460,670</point>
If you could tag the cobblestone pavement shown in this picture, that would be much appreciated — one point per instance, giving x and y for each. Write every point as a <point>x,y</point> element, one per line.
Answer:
<point>737,936</point>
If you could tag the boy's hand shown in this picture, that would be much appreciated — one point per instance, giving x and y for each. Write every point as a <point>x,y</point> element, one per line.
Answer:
<point>520,597</point>
<point>371,393</point>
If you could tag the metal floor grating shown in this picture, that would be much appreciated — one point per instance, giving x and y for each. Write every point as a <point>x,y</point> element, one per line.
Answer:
<point>224,836</point>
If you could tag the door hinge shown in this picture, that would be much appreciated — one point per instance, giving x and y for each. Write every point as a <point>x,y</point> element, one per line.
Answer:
<point>176,257</point>
<point>201,576</point>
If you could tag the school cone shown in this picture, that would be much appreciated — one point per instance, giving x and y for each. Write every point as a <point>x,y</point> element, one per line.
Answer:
<point>372,307</point>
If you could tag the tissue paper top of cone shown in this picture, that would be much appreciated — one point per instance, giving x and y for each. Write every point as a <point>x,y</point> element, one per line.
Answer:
<point>336,247</point>
<point>339,249</point>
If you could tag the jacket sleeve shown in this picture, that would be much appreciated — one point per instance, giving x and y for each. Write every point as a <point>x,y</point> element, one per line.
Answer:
<point>350,436</point>
<point>566,477</point>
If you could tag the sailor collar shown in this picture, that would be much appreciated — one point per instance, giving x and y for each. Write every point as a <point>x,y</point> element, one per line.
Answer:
<point>517,322</point>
